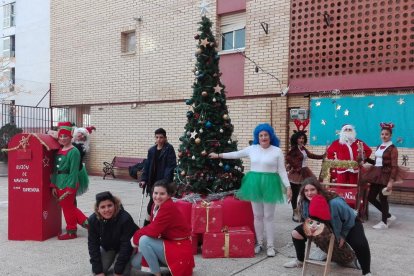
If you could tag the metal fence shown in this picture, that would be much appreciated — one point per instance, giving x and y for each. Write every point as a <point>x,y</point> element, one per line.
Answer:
<point>41,119</point>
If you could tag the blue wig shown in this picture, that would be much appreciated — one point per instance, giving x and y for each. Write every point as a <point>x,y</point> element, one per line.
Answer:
<point>265,127</point>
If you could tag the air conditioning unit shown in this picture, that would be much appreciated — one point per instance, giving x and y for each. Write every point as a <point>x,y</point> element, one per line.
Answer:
<point>298,113</point>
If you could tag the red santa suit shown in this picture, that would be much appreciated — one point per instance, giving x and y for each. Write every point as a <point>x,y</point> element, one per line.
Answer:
<point>344,151</point>
<point>170,225</point>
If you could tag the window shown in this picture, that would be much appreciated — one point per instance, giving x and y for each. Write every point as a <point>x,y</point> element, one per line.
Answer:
<point>128,42</point>
<point>8,15</point>
<point>8,46</point>
<point>233,28</point>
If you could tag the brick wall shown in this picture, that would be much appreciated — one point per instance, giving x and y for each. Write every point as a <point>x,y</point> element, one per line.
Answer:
<point>126,131</point>
<point>270,51</point>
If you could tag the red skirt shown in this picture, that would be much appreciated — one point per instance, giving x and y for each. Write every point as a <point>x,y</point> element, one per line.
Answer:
<point>296,177</point>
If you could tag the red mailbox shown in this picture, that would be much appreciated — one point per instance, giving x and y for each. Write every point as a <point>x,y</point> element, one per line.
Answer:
<point>34,214</point>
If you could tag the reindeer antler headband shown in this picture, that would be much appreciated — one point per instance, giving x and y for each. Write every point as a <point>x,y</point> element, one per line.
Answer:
<point>301,125</point>
<point>387,125</point>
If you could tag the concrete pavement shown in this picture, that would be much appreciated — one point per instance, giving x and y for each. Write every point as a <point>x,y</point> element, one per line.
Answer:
<point>392,250</point>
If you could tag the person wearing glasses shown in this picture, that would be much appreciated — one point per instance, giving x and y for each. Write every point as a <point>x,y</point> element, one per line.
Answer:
<point>110,231</point>
<point>346,148</point>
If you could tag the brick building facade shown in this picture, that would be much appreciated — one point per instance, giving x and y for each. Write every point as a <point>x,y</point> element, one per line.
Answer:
<point>131,91</point>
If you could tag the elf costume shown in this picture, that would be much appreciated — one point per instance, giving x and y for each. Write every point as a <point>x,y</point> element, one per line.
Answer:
<point>65,184</point>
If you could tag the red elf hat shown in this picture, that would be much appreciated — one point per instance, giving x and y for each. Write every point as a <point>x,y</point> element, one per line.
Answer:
<point>65,128</point>
<point>319,208</point>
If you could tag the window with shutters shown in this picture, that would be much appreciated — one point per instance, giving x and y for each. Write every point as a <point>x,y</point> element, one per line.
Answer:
<point>233,28</point>
<point>9,15</point>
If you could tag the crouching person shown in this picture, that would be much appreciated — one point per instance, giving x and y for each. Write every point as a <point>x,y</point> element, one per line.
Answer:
<point>110,231</point>
<point>323,207</point>
<point>166,240</point>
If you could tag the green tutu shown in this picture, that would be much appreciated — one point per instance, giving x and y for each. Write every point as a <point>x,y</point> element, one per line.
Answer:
<point>262,187</point>
<point>83,181</point>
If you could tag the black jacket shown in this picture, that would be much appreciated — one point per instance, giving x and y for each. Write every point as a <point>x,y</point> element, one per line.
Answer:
<point>114,234</point>
<point>167,161</point>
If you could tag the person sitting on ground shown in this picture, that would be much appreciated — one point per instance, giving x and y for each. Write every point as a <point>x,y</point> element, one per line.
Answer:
<point>110,231</point>
<point>320,204</point>
<point>167,239</point>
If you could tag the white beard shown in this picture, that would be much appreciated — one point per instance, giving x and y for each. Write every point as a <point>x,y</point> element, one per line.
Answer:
<point>347,138</point>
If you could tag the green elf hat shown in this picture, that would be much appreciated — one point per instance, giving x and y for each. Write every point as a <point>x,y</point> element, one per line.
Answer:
<point>65,128</point>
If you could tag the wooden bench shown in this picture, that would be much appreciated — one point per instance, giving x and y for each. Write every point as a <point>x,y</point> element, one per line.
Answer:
<point>403,193</point>
<point>120,163</point>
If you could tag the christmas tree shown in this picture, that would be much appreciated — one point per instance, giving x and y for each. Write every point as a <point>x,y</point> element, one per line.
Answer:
<point>208,127</point>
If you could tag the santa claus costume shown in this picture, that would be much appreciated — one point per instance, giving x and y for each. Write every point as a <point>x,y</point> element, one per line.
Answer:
<point>65,181</point>
<point>346,148</point>
<point>81,140</point>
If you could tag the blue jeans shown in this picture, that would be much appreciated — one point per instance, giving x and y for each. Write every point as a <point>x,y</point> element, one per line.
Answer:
<point>153,252</point>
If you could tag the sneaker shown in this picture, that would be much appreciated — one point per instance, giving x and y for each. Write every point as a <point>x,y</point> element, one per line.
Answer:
<point>295,217</point>
<point>258,248</point>
<point>318,255</point>
<point>67,236</point>
<point>391,219</point>
<point>368,274</point>
<point>271,252</point>
<point>294,263</point>
<point>380,226</point>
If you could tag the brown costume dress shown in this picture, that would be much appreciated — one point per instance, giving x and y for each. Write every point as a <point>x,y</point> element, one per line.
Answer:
<point>389,169</point>
<point>294,159</point>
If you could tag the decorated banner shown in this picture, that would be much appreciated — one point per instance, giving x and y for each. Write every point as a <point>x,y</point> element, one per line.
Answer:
<point>328,115</point>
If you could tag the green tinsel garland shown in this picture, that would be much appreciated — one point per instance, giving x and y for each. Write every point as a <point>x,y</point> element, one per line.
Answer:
<point>332,164</point>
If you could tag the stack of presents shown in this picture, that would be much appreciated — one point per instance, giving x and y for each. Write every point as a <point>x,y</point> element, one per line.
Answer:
<point>222,228</point>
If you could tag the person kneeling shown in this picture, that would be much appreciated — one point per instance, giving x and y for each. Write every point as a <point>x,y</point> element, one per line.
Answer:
<point>110,231</point>
<point>321,205</point>
<point>167,239</point>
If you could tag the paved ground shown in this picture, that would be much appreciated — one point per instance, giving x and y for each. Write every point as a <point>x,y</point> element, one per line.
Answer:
<point>392,250</point>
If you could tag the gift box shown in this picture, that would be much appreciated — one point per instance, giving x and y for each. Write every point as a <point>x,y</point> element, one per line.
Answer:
<point>233,242</point>
<point>206,217</point>
<point>237,212</point>
<point>185,208</point>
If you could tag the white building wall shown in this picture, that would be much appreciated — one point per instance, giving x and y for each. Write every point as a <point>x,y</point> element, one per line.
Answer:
<point>32,48</point>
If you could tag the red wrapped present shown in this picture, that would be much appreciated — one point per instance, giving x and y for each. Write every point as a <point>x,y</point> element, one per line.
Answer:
<point>185,209</point>
<point>207,217</point>
<point>237,212</point>
<point>233,242</point>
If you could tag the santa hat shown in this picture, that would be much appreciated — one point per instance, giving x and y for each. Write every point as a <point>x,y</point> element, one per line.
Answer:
<point>347,126</point>
<point>65,128</point>
<point>90,129</point>
<point>84,130</point>
<point>319,208</point>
